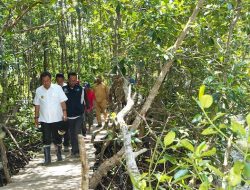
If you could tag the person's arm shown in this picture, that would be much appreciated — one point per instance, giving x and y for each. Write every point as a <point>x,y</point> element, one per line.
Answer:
<point>64,108</point>
<point>37,109</point>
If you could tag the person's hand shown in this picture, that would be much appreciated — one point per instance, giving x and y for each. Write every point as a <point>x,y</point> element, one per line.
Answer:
<point>65,118</point>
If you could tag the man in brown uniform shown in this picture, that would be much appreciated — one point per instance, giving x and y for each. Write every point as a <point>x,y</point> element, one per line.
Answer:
<point>101,100</point>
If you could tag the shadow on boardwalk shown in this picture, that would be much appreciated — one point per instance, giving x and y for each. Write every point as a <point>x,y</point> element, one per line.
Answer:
<point>59,175</point>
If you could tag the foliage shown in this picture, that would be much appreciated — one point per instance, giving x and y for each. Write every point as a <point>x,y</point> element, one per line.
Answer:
<point>132,38</point>
<point>184,163</point>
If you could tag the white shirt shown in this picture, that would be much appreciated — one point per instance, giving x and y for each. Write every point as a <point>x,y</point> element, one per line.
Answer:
<point>50,101</point>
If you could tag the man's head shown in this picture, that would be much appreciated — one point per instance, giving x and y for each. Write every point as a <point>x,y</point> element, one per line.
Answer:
<point>60,79</point>
<point>87,85</point>
<point>98,79</point>
<point>72,79</point>
<point>45,78</point>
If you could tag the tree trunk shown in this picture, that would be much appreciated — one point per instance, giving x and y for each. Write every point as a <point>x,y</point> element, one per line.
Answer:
<point>4,161</point>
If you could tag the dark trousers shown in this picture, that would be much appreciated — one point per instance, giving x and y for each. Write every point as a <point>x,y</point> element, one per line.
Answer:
<point>66,136</point>
<point>50,133</point>
<point>75,128</point>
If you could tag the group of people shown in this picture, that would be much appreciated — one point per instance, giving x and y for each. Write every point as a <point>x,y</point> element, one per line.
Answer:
<point>64,109</point>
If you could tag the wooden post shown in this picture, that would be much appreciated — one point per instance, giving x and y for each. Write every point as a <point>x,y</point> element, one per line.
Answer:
<point>84,161</point>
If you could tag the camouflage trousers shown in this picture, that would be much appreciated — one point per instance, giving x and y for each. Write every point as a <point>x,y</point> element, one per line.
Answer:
<point>89,117</point>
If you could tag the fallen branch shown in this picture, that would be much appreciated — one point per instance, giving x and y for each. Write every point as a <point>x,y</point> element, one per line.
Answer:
<point>16,143</point>
<point>129,154</point>
<point>103,169</point>
<point>16,130</point>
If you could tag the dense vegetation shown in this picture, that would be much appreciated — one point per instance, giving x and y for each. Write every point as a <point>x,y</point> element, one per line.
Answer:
<point>201,106</point>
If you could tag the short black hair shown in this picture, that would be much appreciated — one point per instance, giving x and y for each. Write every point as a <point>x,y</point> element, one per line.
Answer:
<point>45,74</point>
<point>72,74</point>
<point>60,75</point>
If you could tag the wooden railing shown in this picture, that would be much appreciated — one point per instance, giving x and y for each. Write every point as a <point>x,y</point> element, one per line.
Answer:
<point>84,163</point>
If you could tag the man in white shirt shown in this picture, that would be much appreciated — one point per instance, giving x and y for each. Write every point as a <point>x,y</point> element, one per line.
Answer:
<point>50,110</point>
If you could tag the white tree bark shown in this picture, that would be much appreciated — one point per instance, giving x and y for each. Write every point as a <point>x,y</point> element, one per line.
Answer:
<point>129,154</point>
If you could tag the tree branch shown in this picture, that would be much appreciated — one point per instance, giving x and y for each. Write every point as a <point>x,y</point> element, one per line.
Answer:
<point>36,27</point>
<point>13,24</point>
<point>166,67</point>
<point>114,160</point>
<point>231,28</point>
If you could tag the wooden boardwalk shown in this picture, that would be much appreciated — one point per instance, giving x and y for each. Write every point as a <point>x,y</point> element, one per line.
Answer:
<point>65,174</point>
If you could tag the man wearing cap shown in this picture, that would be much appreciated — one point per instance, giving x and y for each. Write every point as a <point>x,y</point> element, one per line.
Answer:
<point>50,110</point>
<point>64,129</point>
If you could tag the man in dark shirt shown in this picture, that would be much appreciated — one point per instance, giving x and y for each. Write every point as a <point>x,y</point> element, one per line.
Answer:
<point>75,108</point>
<point>64,129</point>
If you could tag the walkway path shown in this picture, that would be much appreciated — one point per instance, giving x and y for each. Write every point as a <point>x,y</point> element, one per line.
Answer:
<point>59,175</point>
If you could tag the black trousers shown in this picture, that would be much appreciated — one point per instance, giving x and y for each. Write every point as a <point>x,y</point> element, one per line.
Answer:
<point>66,138</point>
<point>75,128</point>
<point>50,133</point>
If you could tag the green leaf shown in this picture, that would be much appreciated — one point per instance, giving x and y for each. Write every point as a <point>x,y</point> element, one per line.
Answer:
<point>238,167</point>
<point>204,186</point>
<point>201,91</point>
<point>234,178</point>
<point>143,184</point>
<point>218,115</point>
<point>180,173</point>
<point>206,101</point>
<point>169,138</point>
<point>222,126</point>
<point>162,177</point>
<point>209,152</point>
<point>215,170</point>
<point>246,171</point>
<point>238,128</point>
<point>202,146</point>
<point>196,118</point>
<point>169,158</point>
<point>186,144</point>
<point>209,131</point>
<point>248,119</point>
